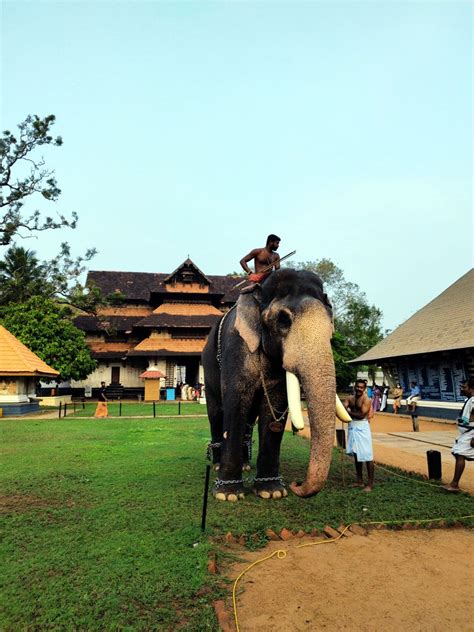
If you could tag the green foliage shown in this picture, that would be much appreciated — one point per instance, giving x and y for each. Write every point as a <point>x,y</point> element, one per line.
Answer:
<point>17,155</point>
<point>45,328</point>
<point>345,373</point>
<point>104,516</point>
<point>356,321</point>
<point>24,177</point>
<point>21,276</point>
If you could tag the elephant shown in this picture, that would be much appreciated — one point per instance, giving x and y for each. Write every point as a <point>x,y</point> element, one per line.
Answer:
<point>276,337</point>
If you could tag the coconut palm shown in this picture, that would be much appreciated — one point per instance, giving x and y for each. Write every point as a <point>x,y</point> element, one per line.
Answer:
<point>21,276</point>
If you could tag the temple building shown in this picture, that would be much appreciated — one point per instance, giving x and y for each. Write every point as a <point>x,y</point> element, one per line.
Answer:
<point>20,371</point>
<point>158,322</point>
<point>435,348</point>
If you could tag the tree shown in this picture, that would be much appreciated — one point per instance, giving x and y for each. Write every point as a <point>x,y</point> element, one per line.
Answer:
<point>22,176</point>
<point>45,328</point>
<point>357,323</point>
<point>21,276</point>
<point>17,155</point>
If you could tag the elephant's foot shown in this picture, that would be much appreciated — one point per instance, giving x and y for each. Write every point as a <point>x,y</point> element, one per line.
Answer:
<point>271,487</point>
<point>229,490</point>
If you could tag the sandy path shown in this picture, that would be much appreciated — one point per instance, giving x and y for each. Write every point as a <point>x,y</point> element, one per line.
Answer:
<point>402,580</point>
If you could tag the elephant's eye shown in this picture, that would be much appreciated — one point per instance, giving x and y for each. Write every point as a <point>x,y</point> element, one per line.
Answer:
<point>284,319</point>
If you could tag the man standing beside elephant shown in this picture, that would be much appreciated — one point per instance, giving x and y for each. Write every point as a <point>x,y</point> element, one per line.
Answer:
<point>266,260</point>
<point>359,441</point>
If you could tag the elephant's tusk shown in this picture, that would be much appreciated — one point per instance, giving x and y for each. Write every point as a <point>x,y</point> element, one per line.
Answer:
<point>294,400</point>
<point>341,412</point>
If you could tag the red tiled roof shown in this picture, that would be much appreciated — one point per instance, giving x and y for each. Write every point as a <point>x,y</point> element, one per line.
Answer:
<point>152,375</point>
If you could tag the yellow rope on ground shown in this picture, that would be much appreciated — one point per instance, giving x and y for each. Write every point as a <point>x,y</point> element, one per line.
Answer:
<point>412,480</point>
<point>281,553</point>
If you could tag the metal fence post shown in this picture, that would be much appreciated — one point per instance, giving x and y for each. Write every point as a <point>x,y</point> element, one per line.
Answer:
<point>65,409</point>
<point>120,409</point>
<point>179,408</point>
<point>154,409</point>
<point>60,409</point>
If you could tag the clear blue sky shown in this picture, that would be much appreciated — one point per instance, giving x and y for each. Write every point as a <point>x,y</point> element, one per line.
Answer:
<point>200,127</point>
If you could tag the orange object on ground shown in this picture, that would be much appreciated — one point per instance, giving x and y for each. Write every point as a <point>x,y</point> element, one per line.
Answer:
<point>101,410</point>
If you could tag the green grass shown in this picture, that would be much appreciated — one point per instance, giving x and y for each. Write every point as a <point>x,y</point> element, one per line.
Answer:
<point>144,409</point>
<point>100,518</point>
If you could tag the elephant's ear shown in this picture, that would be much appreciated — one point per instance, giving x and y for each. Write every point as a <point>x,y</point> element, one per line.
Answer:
<point>247,320</point>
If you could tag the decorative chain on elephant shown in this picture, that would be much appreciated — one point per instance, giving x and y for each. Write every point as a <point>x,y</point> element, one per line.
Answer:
<point>275,339</point>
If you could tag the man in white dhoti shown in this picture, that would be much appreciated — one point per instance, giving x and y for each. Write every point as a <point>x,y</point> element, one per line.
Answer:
<point>463,448</point>
<point>359,439</point>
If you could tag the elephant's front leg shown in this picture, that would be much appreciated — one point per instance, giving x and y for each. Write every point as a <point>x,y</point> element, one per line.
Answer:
<point>237,412</point>
<point>271,425</point>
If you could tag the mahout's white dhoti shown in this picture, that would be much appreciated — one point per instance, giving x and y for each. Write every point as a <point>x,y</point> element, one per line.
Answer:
<point>359,440</point>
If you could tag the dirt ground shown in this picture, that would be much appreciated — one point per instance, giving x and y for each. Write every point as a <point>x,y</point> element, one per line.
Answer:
<point>387,580</point>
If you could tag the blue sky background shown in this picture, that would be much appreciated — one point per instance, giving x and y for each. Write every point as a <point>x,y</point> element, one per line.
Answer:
<point>200,127</point>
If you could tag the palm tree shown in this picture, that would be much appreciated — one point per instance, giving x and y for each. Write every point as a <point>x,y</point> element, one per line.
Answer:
<point>21,276</point>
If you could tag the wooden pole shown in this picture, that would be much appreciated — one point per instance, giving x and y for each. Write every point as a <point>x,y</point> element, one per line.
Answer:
<point>204,500</point>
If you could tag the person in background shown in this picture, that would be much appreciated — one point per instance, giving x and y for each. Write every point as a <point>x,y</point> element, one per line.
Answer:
<point>383,404</point>
<point>397,393</point>
<point>415,396</point>
<point>102,409</point>
<point>463,448</point>
<point>376,397</point>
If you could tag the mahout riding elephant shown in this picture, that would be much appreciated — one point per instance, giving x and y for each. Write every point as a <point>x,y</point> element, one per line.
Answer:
<point>275,338</point>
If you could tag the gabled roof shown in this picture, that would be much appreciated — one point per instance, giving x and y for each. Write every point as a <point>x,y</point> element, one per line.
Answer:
<point>17,360</point>
<point>138,286</point>
<point>187,264</point>
<point>446,323</point>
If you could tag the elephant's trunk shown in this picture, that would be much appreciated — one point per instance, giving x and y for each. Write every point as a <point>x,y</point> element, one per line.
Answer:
<point>308,354</point>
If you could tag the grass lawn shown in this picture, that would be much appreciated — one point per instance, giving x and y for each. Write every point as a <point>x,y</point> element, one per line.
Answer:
<point>143,409</point>
<point>99,518</point>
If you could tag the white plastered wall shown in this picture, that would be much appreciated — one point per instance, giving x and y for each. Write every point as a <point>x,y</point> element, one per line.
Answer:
<point>129,375</point>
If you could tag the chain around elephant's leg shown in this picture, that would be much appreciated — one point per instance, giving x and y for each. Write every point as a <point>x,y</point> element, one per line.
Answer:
<point>270,487</point>
<point>231,490</point>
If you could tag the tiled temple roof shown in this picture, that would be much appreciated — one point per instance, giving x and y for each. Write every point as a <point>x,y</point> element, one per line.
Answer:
<point>140,285</point>
<point>106,323</point>
<point>162,345</point>
<point>170,320</point>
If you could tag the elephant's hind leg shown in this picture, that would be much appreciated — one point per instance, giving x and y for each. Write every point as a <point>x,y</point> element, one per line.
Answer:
<point>216,421</point>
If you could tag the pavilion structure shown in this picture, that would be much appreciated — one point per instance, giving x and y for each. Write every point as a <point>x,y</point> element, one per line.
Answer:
<point>434,347</point>
<point>159,321</point>
<point>20,370</point>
